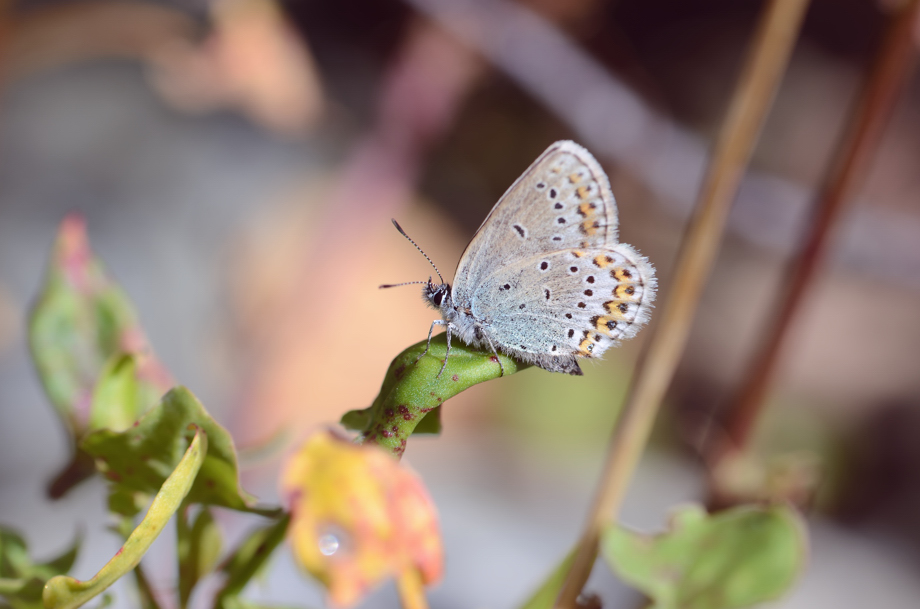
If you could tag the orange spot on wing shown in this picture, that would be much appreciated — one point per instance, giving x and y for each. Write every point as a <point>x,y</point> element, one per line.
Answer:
<point>605,324</point>
<point>617,309</point>
<point>603,261</point>
<point>590,227</point>
<point>624,291</point>
<point>585,347</point>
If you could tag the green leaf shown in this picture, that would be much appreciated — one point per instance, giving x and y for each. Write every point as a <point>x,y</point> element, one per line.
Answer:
<point>198,549</point>
<point>62,592</point>
<point>247,560</point>
<point>21,580</point>
<point>125,502</point>
<point>430,423</point>
<point>80,325</point>
<point>139,459</point>
<point>411,390</point>
<point>545,596</point>
<point>119,398</point>
<point>83,318</point>
<point>737,558</point>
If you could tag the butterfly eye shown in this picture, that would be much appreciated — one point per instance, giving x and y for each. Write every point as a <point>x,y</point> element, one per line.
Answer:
<point>438,296</point>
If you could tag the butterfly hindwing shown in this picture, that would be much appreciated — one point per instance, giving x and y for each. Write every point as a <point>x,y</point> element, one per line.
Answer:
<point>561,305</point>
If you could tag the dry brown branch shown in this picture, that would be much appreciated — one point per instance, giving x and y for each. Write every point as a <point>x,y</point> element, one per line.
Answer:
<point>766,63</point>
<point>859,144</point>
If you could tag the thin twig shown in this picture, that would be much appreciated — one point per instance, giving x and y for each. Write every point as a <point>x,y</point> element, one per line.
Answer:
<point>769,54</point>
<point>893,66</point>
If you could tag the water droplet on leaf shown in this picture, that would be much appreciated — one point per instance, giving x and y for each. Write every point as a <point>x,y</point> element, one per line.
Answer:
<point>328,544</point>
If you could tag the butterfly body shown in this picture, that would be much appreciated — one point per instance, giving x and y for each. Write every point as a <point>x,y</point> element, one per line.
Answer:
<point>544,279</point>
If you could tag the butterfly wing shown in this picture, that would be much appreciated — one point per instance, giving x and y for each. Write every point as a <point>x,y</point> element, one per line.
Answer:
<point>545,275</point>
<point>562,201</point>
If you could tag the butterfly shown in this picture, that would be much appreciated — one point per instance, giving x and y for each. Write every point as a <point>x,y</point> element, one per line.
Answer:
<point>544,279</point>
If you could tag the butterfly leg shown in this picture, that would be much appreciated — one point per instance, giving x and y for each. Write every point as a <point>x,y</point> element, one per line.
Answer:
<point>446,355</point>
<point>491,346</point>
<point>437,322</point>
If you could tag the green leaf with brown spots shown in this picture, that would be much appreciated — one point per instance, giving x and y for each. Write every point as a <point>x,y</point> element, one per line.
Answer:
<point>736,558</point>
<point>412,391</point>
<point>21,579</point>
<point>140,458</point>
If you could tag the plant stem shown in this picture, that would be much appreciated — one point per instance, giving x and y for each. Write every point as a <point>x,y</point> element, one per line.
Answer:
<point>858,145</point>
<point>411,590</point>
<point>183,549</point>
<point>148,598</point>
<point>767,59</point>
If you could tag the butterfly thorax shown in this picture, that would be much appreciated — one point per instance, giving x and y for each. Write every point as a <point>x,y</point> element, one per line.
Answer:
<point>460,321</point>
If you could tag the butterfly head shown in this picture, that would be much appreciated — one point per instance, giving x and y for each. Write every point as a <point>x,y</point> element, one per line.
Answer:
<point>437,295</point>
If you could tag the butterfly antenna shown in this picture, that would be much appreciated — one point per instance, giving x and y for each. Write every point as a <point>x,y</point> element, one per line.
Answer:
<point>396,285</point>
<point>403,233</point>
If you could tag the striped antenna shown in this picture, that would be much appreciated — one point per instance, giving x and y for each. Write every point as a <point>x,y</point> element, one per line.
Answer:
<point>396,285</point>
<point>403,233</point>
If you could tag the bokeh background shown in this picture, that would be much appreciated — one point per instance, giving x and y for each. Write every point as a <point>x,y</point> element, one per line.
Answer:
<point>238,162</point>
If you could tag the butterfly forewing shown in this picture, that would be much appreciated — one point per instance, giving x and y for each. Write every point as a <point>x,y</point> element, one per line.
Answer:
<point>562,202</point>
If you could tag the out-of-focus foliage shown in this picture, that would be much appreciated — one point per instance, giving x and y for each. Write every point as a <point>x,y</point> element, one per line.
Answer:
<point>546,595</point>
<point>197,548</point>
<point>81,320</point>
<point>21,579</point>
<point>358,516</point>
<point>733,559</point>
<point>140,458</point>
<point>91,354</point>
<point>248,559</point>
<point>63,592</point>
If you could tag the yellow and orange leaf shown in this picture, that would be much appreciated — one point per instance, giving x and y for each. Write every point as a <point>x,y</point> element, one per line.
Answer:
<point>359,517</point>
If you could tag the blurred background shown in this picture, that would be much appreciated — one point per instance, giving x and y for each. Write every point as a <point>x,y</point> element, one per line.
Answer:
<point>238,162</point>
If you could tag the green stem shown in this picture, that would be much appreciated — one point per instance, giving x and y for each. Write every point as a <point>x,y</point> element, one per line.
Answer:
<point>248,558</point>
<point>183,549</point>
<point>148,598</point>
